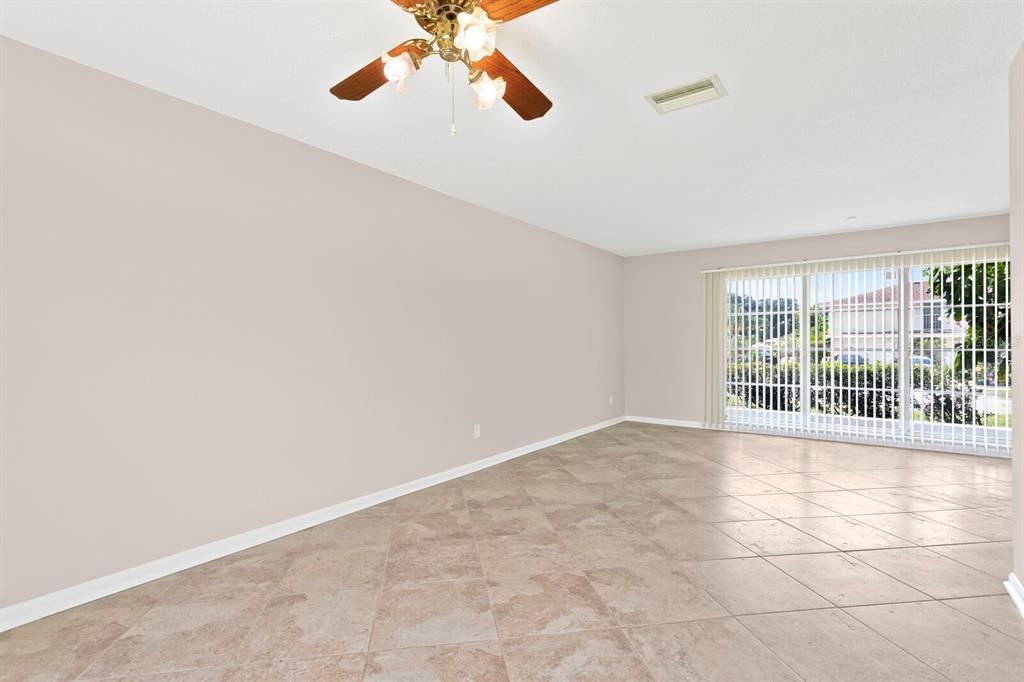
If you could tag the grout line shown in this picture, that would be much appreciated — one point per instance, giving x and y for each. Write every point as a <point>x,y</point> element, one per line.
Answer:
<point>487,588</point>
<point>107,648</point>
<point>380,592</point>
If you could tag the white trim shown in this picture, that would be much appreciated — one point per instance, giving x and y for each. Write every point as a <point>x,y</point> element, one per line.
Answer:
<point>806,261</point>
<point>54,602</point>
<point>666,422</point>
<point>1016,590</point>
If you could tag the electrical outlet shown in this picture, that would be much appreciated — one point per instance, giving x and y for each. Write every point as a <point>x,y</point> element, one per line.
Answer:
<point>611,400</point>
<point>476,430</point>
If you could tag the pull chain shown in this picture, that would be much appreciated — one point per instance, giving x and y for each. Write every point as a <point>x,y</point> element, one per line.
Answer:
<point>451,83</point>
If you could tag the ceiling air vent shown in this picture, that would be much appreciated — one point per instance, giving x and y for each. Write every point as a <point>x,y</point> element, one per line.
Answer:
<point>687,95</point>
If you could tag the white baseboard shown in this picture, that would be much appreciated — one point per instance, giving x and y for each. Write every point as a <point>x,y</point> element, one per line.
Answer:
<point>48,604</point>
<point>1016,590</point>
<point>666,422</point>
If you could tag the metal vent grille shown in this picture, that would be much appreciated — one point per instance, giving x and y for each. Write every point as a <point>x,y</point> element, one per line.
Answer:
<point>687,95</point>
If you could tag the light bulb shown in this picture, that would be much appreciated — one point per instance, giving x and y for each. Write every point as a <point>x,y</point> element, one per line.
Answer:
<point>488,90</point>
<point>397,69</point>
<point>476,34</point>
<point>474,37</point>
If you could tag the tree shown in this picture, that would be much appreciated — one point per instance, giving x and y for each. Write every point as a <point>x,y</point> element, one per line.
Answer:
<point>976,296</point>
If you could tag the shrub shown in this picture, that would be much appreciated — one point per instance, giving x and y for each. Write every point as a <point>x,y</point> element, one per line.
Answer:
<point>868,390</point>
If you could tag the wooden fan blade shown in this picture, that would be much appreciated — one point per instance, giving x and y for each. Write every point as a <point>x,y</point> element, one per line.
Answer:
<point>523,96</point>
<point>370,77</point>
<point>507,10</point>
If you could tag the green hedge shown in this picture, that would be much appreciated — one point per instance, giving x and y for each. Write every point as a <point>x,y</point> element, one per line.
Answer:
<point>868,390</point>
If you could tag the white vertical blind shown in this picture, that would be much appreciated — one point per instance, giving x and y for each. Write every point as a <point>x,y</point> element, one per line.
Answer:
<point>907,349</point>
<point>714,349</point>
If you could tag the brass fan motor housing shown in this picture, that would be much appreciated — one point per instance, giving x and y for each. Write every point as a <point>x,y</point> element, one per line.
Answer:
<point>441,15</point>
<point>440,18</point>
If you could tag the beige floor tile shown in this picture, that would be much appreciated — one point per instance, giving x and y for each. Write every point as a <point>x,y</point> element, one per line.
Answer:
<point>998,489</point>
<point>648,516</point>
<point>433,560</point>
<point>846,581</point>
<point>998,612</point>
<point>796,483</point>
<point>546,604</point>
<point>601,656</point>
<point>951,475</point>
<point>831,645</point>
<point>772,537</point>
<point>441,498</point>
<point>987,526</point>
<point>307,625</point>
<point>1003,511</point>
<point>524,554</point>
<point>626,492</point>
<point>582,519</point>
<point>910,499</point>
<point>969,496</point>
<point>348,532</point>
<point>785,506</point>
<point>496,497</point>
<point>330,570</point>
<point>615,548</point>
<point>713,509</point>
<point>427,614</point>
<point>846,534</point>
<point>529,476</point>
<point>653,593</point>
<point>744,485</point>
<point>207,674</point>
<point>917,529</point>
<point>236,576</point>
<point>561,493</point>
<point>178,637</point>
<point>752,466</point>
<point>931,573</point>
<point>994,558</point>
<point>440,526</point>
<point>847,503</point>
<point>501,475</point>
<point>850,480</point>
<point>905,478</point>
<point>677,489</point>
<point>471,662</point>
<point>502,522</point>
<point>348,668</point>
<point>694,541</point>
<point>953,643</point>
<point>745,586</point>
<point>704,650</point>
<point>594,472</point>
<point>61,646</point>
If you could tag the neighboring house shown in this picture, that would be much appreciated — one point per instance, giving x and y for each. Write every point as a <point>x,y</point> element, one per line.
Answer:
<point>867,325</point>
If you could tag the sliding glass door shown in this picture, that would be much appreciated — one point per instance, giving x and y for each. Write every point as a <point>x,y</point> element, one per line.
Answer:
<point>903,349</point>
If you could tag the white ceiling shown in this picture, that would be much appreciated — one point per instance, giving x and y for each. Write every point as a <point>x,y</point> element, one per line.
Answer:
<point>895,112</point>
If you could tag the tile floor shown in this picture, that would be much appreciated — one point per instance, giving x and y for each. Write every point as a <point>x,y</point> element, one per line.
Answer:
<point>634,553</point>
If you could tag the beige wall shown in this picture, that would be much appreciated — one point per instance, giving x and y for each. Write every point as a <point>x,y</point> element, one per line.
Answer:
<point>665,303</point>
<point>1017,296</point>
<point>207,328</point>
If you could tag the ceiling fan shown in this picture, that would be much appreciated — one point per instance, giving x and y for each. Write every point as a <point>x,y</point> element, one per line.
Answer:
<point>461,31</point>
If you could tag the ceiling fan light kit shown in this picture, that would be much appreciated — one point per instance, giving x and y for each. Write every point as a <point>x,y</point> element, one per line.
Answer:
<point>460,31</point>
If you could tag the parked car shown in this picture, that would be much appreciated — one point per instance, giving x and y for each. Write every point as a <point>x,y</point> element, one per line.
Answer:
<point>850,359</point>
<point>921,361</point>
